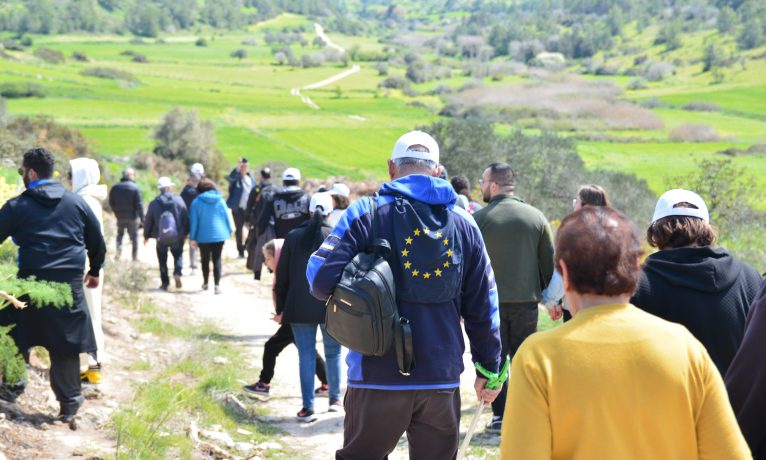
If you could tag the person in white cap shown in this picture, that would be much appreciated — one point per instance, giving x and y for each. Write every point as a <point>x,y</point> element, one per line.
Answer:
<point>688,281</point>
<point>197,169</point>
<point>340,201</point>
<point>302,311</point>
<point>167,220</point>
<point>442,274</point>
<point>287,208</point>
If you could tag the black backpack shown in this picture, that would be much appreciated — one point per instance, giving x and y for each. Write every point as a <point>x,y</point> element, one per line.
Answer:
<point>362,314</point>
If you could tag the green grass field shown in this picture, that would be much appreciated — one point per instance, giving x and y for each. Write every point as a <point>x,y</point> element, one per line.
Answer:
<point>250,104</point>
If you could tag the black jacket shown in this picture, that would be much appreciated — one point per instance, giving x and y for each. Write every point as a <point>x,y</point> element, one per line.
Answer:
<point>125,201</point>
<point>705,289</point>
<point>746,379</point>
<point>54,230</point>
<point>255,202</point>
<point>294,300</point>
<point>188,194</point>
<point>166,202</point>
<point>286,209</point>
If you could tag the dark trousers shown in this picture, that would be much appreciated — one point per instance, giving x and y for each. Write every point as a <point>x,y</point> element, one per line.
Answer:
<point>517,322</point>
<point>376,419</point>
<point>65,381</point>
<point>177,250</point>
<point>274,346</point>
<point>209,251</point>
<point>130,226</point>
<point>239,223</point>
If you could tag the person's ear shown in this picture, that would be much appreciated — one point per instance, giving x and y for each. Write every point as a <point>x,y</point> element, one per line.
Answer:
<point>32,175</point>
<point>438,171</point>
<point>565,275</point>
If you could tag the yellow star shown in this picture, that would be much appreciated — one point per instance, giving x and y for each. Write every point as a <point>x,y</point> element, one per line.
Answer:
<point>446,241</point>
<point>415,273</point>
<point>405,253</point>
<point>407,265</point>
<point>438,272</point>
<point>426,275</point>
<point>408,240</point>
<point>426,230</point>
<point>449,252</point>
<point>417,232</point>
<point>438,234</point>
<point>446,264</point>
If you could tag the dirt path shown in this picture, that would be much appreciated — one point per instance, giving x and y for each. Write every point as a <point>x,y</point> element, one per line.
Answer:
<point>327,81</point>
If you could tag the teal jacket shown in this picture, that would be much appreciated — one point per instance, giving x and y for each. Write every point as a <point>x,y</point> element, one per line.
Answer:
<point>520,247</point>
<point>209,218</point>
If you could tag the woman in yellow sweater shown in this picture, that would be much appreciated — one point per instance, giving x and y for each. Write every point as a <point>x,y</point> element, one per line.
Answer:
<point>614,382</point>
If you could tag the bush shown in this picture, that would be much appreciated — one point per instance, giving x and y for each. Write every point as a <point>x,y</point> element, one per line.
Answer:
<point>21,90</point>
<point>201,42</point>
<point>50,56</point>
<point>239,54</point>
<point>12,45</point>
<point>395,82</point>
<point>658,71</point>
<point>653,103</point>
<point>79,57</point>
<point>312,60</point>
<point>694,133</point>
<point>250,41</point>
<point>182,135</point>
<point>26,40</point>
<point>109,73</point>
<point>637,83</point>
<point>382,69</point>
<point>702,107</point>
<point>139,58</point>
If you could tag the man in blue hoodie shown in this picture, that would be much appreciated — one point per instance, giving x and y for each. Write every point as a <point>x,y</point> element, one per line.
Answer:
<point>442,274</point>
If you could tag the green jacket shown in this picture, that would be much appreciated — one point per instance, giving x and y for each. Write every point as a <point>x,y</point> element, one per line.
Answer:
<point>520,246</point>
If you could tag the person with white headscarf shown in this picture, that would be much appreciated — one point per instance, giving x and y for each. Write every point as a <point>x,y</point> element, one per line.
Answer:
<point>84,175</point>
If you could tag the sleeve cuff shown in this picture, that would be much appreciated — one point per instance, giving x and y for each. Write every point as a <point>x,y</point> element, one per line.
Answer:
<point>95,272</point>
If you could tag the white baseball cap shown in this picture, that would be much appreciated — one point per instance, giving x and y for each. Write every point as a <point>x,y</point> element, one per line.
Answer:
<point>197,168</point>
<point>403,144</point>
<point>291,174</point>
<point>341,189</point>
<point>667,202</point>
<point>164,182</point>
<point>323,201</point>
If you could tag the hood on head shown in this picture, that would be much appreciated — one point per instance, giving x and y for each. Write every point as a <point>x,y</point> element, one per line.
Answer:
<point>210,197</point>
<point>427,189</point>
<point>703,269</point>
<point>85,177</point>
<point>47,194</point>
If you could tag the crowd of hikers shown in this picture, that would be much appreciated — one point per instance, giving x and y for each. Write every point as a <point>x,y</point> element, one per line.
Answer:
<point>658,356</point>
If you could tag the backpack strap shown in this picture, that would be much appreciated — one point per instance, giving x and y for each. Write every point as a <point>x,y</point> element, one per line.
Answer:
<point>379,246</point>
<point>405,354</point>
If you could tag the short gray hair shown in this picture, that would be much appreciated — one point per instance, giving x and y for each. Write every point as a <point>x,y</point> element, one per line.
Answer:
<point>127,172</point>
<point>414,165</point>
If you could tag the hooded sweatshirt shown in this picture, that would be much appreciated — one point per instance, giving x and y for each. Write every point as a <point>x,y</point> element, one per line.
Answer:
<point>53,229</point>
<point>85,178</point>
<point>746,379</point>
<point>166,201</point>
<point>286,209</point>
<point>437,336</point>
<point>705,289</point>
<point>209,218</point>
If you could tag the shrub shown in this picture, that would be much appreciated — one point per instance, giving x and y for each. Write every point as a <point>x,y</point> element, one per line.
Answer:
<point>139,58</point>
<point>658,71</point>
<point>12,45</point>
<point>702,107</point>
<point>182,135</point>
<point>50,56</point>
<point>200,42</point>
<point>653,103</point>
<point>250,41</point>
<point>382,69</point>
<point>395,82</point>
<point>137,41</point>
<point>312,60</point>
<point>694,133</point>
<point>21,90</point>
<point>79,57</point>
<point>637,83</point>
<point>239,54</point>
<point>26,40</point>
<point>109,73</point>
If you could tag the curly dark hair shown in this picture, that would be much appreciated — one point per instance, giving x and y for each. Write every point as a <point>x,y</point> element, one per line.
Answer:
<point>40,161</point>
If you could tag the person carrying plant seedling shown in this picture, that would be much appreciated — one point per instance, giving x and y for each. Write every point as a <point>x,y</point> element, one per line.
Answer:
<point>55,231</point>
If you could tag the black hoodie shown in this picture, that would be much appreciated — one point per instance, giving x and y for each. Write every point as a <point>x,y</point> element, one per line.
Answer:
<point>705,289</point>
<point>53,229</point>
<point>287,209</point>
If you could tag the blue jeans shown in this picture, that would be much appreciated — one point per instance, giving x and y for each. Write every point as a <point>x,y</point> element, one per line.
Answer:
<point>305,339</point>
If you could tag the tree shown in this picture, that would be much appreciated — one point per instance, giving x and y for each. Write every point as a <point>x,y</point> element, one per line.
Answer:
<point>670,35</point>
<point>751,36</point>
<point>181,135</point>
<point>713,57</point>
<point>726,21</point>
<point>239,54</point>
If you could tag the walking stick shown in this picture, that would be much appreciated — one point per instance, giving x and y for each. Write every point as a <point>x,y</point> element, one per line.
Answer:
<point>494,381</point>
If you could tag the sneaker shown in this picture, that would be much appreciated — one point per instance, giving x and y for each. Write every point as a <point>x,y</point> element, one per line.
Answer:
<point>306,415</point>
<point>495,425</point>
<point>91,376</point>
<point>204,287</point>
<point>193,271</point>
<point>257,388</point>
<point>178,281</point>
<point>164,287</point>
<point>335,406</point>
<point>323,390</point>
<point>241,255</point>
<point>217,290</point>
